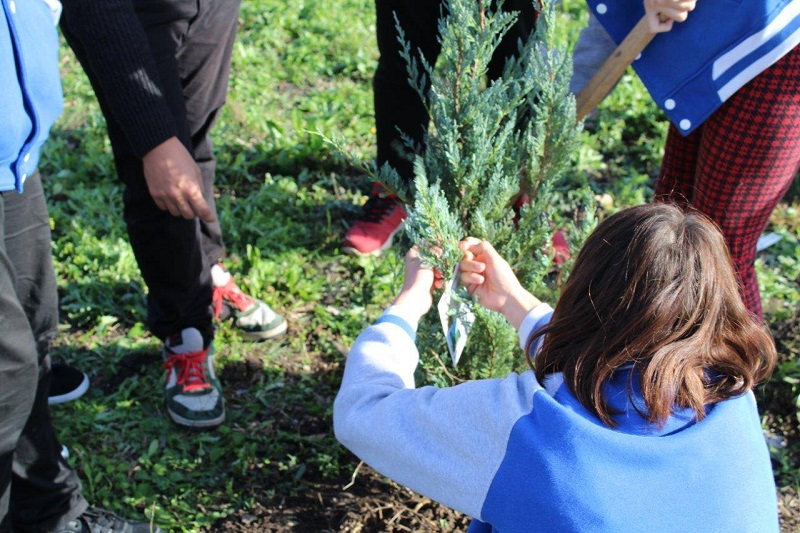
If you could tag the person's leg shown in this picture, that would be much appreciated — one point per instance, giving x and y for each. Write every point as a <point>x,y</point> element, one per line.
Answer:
<point>193,393</point>
<point>45,491</point>
<point>749,155</point>
<point>518,34</point>
<point>204,63</point>
<point>676,179</point>
<point>399,110</point>
<point>167,248</point>
<point>18,368</point>
<point>398,107</point>
<point>203,66</point>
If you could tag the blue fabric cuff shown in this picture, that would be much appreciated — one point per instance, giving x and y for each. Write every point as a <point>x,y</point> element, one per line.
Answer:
<point>397,321</point>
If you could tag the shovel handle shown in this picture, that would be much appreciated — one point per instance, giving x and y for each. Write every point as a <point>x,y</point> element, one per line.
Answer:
<point>613,69</point>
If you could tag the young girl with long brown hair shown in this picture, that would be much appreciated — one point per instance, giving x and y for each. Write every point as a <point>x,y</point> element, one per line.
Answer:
<point>637,414</point>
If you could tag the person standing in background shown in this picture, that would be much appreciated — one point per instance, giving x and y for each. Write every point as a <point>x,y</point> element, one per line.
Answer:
<point>160,72</point>
<point>39,491</point>
<point>733,99</point>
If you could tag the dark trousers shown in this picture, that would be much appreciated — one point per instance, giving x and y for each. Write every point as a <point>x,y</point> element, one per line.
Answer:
<point>191,41</point>
<point>398,107</point>
<point>37,487</point>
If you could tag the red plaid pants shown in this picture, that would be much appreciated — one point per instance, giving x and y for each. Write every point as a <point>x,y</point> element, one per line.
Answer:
<point>739,163</point>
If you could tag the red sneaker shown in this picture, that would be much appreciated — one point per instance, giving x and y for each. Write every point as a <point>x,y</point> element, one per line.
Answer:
<point>373,231</point>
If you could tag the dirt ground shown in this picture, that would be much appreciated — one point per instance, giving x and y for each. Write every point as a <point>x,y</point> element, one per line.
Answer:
<point>371,504</point>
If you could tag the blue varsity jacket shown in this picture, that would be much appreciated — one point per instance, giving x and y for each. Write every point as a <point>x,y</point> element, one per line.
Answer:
<point>29,75</point>
<point>692,69</point>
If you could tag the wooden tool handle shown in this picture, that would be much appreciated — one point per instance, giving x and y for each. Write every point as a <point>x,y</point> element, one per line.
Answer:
<point>611,71</point>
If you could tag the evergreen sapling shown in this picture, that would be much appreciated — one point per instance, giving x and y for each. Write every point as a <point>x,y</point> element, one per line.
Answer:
<point>494,154</point>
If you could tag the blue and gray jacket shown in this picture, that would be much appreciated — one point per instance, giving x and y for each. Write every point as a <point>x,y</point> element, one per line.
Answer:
<point>518,455</point>
<point>29,76</point>
<point>693,68</point>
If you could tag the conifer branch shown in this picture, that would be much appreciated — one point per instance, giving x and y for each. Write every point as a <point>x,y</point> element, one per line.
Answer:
<point>486,143</point>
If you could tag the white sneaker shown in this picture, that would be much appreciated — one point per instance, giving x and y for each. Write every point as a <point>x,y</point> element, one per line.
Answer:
<point>255,319</point>
<point>194,394</point>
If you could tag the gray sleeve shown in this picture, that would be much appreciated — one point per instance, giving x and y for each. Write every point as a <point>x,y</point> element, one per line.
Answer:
<point>594,46</point>
<point>447,443</point>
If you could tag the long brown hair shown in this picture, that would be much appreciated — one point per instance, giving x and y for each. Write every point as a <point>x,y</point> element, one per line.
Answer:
<point>654,286</point>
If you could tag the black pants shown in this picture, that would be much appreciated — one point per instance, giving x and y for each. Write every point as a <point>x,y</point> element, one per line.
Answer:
<point>191,41</point>
<point>38,489</point>
<point>397,104</point>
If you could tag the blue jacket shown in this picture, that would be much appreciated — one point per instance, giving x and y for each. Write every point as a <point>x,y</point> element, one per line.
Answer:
<point>692,69</point>
<point>31,86</point>
<point>518,455</point>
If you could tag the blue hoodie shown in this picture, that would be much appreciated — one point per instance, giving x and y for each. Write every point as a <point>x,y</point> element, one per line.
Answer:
<point>518,455</point>
<point>29,76</point>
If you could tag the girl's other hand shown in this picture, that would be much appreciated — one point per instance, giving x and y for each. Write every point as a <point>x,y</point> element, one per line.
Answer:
<point>489,277</point>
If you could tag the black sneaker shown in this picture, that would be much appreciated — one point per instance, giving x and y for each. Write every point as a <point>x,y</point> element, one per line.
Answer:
<point>101,521</point>
<point>67,384</point>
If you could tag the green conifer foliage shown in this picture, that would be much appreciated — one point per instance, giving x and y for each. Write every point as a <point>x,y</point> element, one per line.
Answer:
<point>488,143</point>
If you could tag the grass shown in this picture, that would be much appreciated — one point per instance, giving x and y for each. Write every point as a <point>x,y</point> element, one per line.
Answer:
<point>301,73</point>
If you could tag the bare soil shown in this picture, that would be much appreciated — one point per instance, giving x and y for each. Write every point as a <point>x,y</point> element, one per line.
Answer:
<point>370,504</point>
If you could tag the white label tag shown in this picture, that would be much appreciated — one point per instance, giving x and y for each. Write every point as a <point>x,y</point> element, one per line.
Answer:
<point>456,318</point>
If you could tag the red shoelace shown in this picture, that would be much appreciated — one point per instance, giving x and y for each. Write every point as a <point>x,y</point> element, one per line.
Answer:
<point>230,294</point>
<point>190,370</point>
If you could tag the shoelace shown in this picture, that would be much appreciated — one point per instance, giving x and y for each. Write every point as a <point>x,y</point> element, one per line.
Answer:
<point>377,208</point>
<point>190,370</point>
<point>230,294</point>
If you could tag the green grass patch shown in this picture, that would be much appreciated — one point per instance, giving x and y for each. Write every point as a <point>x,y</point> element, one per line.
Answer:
<point>301,73</point>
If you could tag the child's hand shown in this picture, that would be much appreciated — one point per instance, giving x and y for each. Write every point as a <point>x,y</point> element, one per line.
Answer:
<point>489,277</point>
<point>415,296</point>
<point>661,14</point>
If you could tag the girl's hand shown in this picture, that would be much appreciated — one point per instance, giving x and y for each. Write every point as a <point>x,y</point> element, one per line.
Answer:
<point>489,277</point>
<point>415,296</point>
<point>661,14</point>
